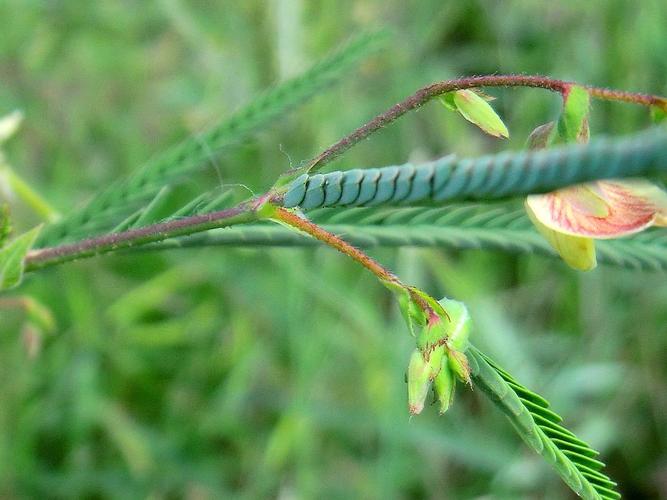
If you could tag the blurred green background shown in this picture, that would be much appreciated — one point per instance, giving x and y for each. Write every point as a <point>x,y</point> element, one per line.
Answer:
<point>278,373</point>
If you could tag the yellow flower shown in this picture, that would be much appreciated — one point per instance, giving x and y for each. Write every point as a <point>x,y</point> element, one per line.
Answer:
<point>571,218</point>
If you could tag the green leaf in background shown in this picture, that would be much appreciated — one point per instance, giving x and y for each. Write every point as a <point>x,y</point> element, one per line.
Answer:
<point>12,258</point>
<point>573,121</point>
<point>658,115</point>
<point>5,224</point>
<point>39,315</point>
<point>111,205</point>
<point>474,108</point>
<point>9,124</point>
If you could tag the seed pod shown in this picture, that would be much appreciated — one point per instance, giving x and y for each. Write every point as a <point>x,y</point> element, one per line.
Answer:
<point>419,381</point>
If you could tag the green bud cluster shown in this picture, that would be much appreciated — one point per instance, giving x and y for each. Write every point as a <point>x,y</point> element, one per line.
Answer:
<point>439,359</point>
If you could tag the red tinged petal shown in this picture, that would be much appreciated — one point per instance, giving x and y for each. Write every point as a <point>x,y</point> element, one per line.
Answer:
<point>605,209</point>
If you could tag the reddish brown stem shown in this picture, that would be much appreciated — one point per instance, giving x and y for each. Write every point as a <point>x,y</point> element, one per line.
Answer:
<point>44,257</point>
<point>246,212</point>
<point>317,232</point>
<point>427,93</point>
<point>292,219</point>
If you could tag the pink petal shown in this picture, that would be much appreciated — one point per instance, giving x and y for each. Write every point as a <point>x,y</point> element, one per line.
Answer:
<point>604,209</point>
<point>577,251</point>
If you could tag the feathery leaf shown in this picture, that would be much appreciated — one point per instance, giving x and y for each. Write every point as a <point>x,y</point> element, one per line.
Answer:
<point>540,428</point>
<point>494,226</point>
<point>487,177</point>
<point>106,208</point>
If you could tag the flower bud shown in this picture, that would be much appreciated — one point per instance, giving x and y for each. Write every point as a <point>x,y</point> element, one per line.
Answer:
<point>444,385</point>
<point>459,324</point>
<point>458,363</point>
<point>419,381</point>
<point>474,108</point>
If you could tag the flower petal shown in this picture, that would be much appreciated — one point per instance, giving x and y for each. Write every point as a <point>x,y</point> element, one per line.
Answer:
<point>604,209</point>
<point>577,252</point>
<point>653,194</point>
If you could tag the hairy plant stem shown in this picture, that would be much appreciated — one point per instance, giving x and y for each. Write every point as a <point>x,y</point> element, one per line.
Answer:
<point>425,94</point>
<point>292,219</point>
<point>249,211</point>
<point>46,257</point>
<point>385,276</point>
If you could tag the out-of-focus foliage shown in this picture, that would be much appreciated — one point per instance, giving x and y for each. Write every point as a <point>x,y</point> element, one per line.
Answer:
<point>200,373</point>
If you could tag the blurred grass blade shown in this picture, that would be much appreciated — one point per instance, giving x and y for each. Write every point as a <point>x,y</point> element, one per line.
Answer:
<point>658,115</point>
<point>12,258</point>
<point>150,213</point>
<point>110,205</point>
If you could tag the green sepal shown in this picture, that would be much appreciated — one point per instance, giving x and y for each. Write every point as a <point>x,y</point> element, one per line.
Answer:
<point>434,359</point>
<point>447,101</point>
<point>12,258</point>
<point>434,304</point>
<point>573,121</point>
<point>658,114</point>
<point>404,304</point>
<point>431,335</point>
<point>413,315</point>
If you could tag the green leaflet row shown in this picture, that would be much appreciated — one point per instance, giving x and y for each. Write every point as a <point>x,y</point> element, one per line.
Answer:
<point>539,427</point>
<point>486,177</point>
<point>492,226</point>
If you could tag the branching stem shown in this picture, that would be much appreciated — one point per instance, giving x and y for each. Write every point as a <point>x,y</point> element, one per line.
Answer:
<point>248,211</point>
<point>427,93</point>
<point>46,257</point>
<point>384,275</point>
<point>292,219</point>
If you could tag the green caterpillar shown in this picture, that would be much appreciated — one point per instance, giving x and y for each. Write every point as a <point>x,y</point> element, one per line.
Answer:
<point>491,176</point>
